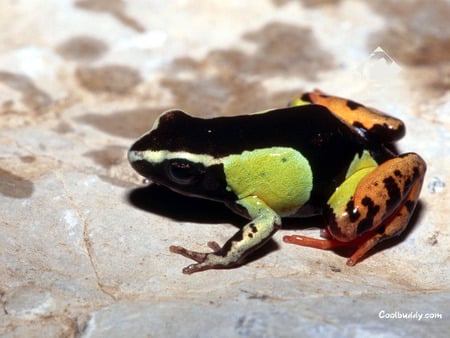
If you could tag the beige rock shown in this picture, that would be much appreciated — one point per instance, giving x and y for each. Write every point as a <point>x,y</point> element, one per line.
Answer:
<point>82,254</point>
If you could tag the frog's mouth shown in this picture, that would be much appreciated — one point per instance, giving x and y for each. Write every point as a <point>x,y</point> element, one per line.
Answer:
<point>144,168</point>
<point>134,156</point>
<point>139,163</point>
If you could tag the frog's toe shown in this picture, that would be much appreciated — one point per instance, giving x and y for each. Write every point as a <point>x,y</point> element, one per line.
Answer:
<point>196,256</point>
<point>214,246</point>
<point>190,269</point>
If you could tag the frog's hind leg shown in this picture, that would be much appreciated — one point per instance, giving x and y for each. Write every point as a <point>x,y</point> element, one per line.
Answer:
<point>366,120</point>
<point>397,221</point>
<point>380,208</point>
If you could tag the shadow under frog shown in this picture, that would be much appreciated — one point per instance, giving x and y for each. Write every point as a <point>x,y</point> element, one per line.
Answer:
<point>162,201</point>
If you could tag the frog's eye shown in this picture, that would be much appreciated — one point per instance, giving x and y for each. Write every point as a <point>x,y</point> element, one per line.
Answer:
<point>184,172</point>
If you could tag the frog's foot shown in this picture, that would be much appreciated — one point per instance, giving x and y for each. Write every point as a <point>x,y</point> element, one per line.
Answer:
<point>324,244</point>
<point>204,261</point>
<point>230,255</point>
<point>371,207</point>
<point>363,244</point>
<point>254,234</point>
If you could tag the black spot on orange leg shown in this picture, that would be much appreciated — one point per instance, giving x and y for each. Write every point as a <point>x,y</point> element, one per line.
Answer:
<point>378,196</point>
<point>376,124</point>
<point>398,219</point>
<point>383,210</point>
<point>394,226</point>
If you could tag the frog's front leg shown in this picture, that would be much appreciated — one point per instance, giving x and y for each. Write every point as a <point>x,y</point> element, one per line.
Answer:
<point>265,222</point>
<point>383,201</point>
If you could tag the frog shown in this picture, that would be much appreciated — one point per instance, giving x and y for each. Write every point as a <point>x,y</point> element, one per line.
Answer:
<point>321,155</point>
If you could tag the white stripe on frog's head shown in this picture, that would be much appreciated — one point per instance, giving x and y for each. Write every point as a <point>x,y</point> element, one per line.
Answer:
<point>151,156</point>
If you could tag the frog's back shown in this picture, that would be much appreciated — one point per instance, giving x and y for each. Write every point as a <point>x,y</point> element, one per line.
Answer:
<point>308,128</point>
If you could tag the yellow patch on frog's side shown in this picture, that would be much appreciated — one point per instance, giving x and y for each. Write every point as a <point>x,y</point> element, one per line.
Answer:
<point>361,162</point>
<point>281,177</point>
<point>360,167</point>
<point>298,102</point>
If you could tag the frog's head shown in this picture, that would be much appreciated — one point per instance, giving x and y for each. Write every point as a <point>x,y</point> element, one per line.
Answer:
<point>174,153</point>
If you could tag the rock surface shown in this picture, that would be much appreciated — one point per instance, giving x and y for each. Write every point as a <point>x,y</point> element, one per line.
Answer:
<point>81,255</point>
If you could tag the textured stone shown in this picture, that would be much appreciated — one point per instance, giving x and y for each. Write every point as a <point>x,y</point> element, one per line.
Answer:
<point>84,246</point>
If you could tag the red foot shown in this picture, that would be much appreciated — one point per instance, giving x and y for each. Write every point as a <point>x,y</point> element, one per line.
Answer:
<point>363,243</point>
<point>324,244</point>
